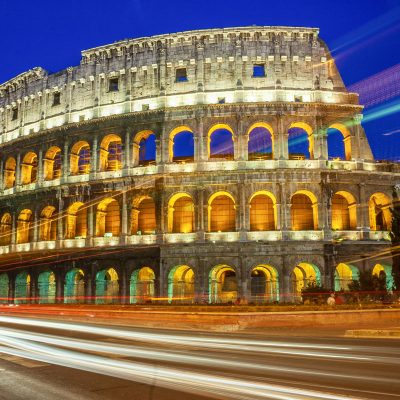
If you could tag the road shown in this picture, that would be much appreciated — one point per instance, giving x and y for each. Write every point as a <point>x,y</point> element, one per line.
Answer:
<point>41,359</point>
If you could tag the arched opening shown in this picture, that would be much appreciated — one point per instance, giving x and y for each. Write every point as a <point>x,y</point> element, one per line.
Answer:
<point>76,221</point>
<point>344,211</point>
<point>5,229</point>
<point>181,145</point>
<point>221,213</point>
<point>383,274</point>
<point>24,227</point>
<point>74,288</point>
<point>304,276</point>
<point>29,168</point>
<point>22,288</point>
<point>111,153</point>
<point>47,287</point>
<point>260,145</point>
<point>107,286</point>
<point>344,275</point>
<point>223,286</point>
<point>144,148</point>
<point>304,210</point>
<point>9,173</point>
<point>380,217</point>
<point>181,284</point>
<point>52,164</point>
<point>108,218</point>
<point>300,142</point>
<point>220,143</point>
<point>143,217</point>
<point>263,212</point>
<point>181,214</point>
<point>339,142</point>
<point>142,285</point>
<point>48,224</point>
<point>80,158</point>
<point>264,286</point>
<point>4,282</point>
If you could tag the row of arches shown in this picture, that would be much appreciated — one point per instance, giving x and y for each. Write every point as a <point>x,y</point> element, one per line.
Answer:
<point>181,149</point>
<point>181,216</point>
<point>223,285</point>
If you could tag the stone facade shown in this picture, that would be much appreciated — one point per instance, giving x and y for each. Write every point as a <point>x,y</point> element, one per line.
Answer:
<point>65,210</point>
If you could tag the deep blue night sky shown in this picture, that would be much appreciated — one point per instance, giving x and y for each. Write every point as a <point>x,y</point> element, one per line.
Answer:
<point>363,34</point>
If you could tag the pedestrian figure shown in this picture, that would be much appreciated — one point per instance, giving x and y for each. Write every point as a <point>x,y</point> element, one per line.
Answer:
<point>331,300</point>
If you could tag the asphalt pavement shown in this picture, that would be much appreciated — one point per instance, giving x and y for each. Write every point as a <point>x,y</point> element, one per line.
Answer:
<point>43,359</point>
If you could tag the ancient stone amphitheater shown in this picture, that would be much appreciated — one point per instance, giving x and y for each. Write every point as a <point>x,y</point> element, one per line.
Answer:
<point>201,166</point>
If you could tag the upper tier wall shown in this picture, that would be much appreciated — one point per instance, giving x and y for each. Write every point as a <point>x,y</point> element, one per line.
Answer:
<point>219,67</point>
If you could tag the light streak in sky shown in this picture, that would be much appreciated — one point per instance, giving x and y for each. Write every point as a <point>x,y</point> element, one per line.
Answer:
<point>391,132</point>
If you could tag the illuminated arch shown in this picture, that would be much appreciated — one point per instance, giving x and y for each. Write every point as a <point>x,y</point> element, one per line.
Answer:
<point>111,153</point>
<point>346,139</point>
<point>260,145</point>
<point>344,275</point>
<point>380,217</point>
<point>80,158</point>
<point>344,211</point>
<point>76,221</point>
<point>181,213</point>
<point>264,286</point>
<point>173,144</point>
<point>108,219</point>
<point>22,288</point>
<point>181,284</point>
<point>52,164</point>
<point>5,229</point>
<point>24,226</point>
<point>263,211</point>
<point>304,275</point>
<point>142,285</point>
<point>107,286</point>
<point>4,288</point>
<point>143,217</point>
<point>29,168</point>
<point>221,212</point>
<point>48,224</point>
<point>9,173</point>
<point>298,140</point>
<point>304,211</point>
<point>380,270</point>
<point>74,287</point>
<point>223,285</point>
<point>141,155</point>
<point>221,153</point>
<point>47,287</point>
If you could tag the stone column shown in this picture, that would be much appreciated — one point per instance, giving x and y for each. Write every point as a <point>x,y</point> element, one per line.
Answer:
<point>158,151</point>
<point>60,283</point>
<point>276,150</point>
<point>123,287</point>
<point>34,291</point>
<point>202,144</point>
<point>40,167</point>
<point>18,170</point>
<point>94,153</point>
<point>60,221</point>
<point>135,155</point>
<point>127,149</point>
<point>14,228</point>
<point>245,147</point>
<point>283,135</point>
<point>124,218</point>
<point>65,167</point>
<point>36,226</point>
<point>1,175</point>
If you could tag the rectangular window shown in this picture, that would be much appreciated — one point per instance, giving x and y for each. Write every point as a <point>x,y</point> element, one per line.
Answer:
<point>258,70</point>
<point>181,75</point>
<point>56,98</point>
<point>113,85</point>
<point>14,114</point>
<point>221,100</point>
<point>298,99</point>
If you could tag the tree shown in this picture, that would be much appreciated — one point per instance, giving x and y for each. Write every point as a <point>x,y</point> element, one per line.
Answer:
<point>395,237</point>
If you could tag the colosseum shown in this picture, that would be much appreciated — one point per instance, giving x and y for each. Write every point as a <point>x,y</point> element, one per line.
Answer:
<point>202,166</point>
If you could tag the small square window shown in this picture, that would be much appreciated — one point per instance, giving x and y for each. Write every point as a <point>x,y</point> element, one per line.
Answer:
<point>258,70</point>
<point>113,85</point>
<point>221,100</point>
<point>14,114</point>
<point>145,107</point>
<point>298,99</point>
<point>56,98</point>
<point>181,75</point>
